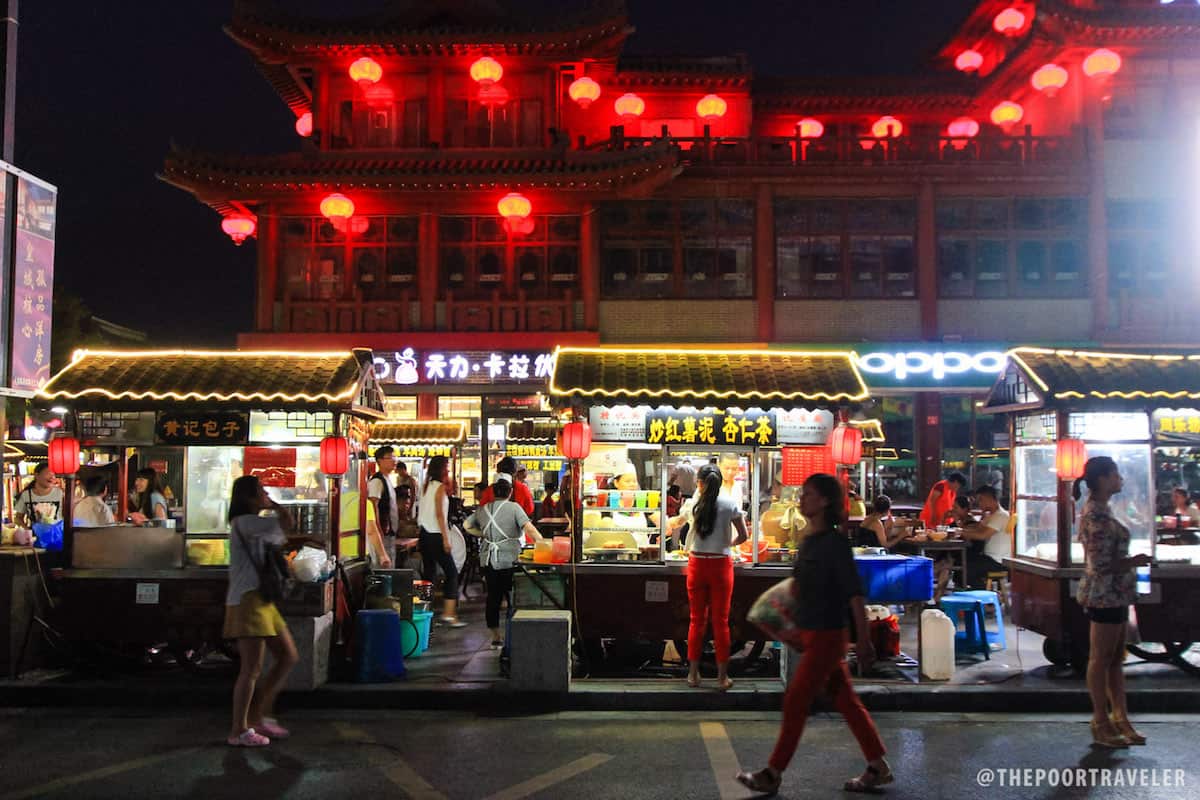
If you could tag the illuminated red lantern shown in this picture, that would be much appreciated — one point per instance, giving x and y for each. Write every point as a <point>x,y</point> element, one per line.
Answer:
<point>962,129</point>
<point>1049,78</point>
<point>575,440</point>
<point>239,227</point>
<point>365,71</point>
<point>711,108</point>
<point>629,106</point>
<point>335,455</point>
<point>486,70</point>
<point>516,208</point>
<point>492,95</point>
<point>845,445</point>
<point>887,127</point>
<point>1007,113</point>
<point>1102,64</point>
<point>304,124</point>
<point>968,61</point>
<point>1010,22</point>
<point>64,455</point>
<point>584,91</point>
<point>810,128</point>
<point>1070,456</point>
<point>337,207</point>
<point>379,95</point>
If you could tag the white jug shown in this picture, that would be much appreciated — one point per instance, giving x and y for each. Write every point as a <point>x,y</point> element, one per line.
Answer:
<point>937,645</point>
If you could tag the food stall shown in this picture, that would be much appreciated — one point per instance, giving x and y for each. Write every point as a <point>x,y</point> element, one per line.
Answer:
<point>417,441</point>
<point>1066,406</point>
<point>21,458</point>
<point>655,412</point>
<point>200,420</point>
<point>534,444</point>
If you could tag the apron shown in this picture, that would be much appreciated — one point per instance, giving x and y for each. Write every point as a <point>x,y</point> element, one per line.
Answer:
<point>490,551</point>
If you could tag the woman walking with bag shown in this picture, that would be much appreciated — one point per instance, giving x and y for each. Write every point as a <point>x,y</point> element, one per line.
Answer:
<point>252,619</point>
<point>713,517</point>
<point>1107,589</point>
<point>826,585</point>
<point>503,525</point>
<point>436,548</point>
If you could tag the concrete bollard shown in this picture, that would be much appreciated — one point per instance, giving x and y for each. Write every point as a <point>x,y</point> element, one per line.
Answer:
<point>541,651</point>
<point>313,639</point>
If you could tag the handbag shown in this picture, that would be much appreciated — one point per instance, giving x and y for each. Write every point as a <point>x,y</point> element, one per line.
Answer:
<point>774,612</point>
<point>274,580</point>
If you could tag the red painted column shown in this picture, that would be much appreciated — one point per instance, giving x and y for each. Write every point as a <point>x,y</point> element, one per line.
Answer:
<point>927,285</point>
<point>929,440</point>
<point>268,269</point>
<point>589,267</point>
<point>764,262</point>
<point>437,106</point>
<point>427,270</point>
<point>1097,214</point>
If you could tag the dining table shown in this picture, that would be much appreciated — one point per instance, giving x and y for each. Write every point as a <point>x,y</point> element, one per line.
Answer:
<point>956,546</point>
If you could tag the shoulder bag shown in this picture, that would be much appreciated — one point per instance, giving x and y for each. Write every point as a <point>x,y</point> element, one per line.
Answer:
<point>274,581</point>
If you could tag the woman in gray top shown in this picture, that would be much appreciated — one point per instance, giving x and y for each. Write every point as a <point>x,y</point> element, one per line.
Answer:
<point>503,525</point>
<point>254,622</point>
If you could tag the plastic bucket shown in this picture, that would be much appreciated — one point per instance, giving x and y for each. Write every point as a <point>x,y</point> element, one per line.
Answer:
<point>414,638</point>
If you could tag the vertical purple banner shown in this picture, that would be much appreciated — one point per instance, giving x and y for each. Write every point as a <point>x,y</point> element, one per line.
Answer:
<point>33,290</point>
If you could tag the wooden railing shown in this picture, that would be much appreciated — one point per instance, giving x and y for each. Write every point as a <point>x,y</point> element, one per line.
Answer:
<point>493,313</point>
<point>989,146</point>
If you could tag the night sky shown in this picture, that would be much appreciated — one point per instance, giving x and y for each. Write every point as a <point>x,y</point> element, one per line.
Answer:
<point>104,87</point>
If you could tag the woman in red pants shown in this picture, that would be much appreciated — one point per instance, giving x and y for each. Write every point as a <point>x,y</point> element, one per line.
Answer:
<point>714,517</point>
<point>826,587</point>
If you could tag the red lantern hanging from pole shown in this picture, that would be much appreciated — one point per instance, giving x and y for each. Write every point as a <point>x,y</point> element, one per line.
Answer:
<point>1070,456</point>
<point>365,71</point>
<point>575,440</point>
<point>64,455</point>
<point>584,91</point>
<point>335,455</point>
<point>845,445</point>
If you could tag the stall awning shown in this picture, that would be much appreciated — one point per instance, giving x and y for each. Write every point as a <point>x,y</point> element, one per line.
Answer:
<point>872,429</point>
<point>419,432</point>
<point>23,450</point>
<point>1036,376</point>
<point>228,380</point>
<point>733,377</point>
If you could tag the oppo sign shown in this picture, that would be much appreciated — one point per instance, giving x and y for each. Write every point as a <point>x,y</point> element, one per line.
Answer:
<point>937,365</point>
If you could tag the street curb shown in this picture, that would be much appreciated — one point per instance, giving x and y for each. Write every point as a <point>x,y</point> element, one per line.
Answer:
<point>484,698</point>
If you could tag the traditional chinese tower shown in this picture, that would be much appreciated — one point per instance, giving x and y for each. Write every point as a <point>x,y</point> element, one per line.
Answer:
<point>487,175</point>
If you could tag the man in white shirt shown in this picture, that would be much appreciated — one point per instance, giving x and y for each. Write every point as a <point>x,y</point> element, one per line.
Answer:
<point>382,495</point>
<point>993,532</point>
<point>92,511</point>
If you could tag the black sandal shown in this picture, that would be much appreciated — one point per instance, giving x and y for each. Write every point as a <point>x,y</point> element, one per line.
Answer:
<point>870,780</point>
<point>760,781</point>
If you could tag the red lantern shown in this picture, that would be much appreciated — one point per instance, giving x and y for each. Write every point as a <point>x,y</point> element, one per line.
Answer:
<point>711,108</point>
<point>968,61</point>
<point>1010,22</point>
<point>584,91</point>
<point>629,106</point>
<point>335,455</point>
<point>239,227</point>
<point>1007,113</point>
<point>1049,78</point>
<point>304,124</point>
<point>493,95</point>
<point>486,70</point>
<point>64,455</point>
<point>337,207</point>
<point>575,440</point>
<point>1070,456</point>
<point>516,208</point>
<point>1101,64</point>
<point>845,445</point>
<point>365,71</point>
<point>810,128</point>
<point>887,127</point>
<point>962,129</point>
<point>379,95</point>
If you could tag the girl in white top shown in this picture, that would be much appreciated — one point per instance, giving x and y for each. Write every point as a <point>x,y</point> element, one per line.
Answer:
<point>435,537</point>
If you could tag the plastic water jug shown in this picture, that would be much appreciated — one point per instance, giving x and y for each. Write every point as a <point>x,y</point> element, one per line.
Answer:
<point>937,645</point>
<point>543,552</point>
<point>561,550</point>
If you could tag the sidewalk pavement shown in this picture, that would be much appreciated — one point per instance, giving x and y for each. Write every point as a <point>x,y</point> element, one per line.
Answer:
<point>461,672</point>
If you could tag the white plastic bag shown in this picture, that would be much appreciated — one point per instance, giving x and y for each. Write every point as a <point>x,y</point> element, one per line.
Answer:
<point>458,547</point>
<point>308,564</point>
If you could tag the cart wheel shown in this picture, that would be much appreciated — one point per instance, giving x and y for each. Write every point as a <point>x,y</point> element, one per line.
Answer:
<point>416,637</point>
<point>1154,652</point>
<point>1186,657</point>
<point>1056,652</point>
<point>1079,655</point>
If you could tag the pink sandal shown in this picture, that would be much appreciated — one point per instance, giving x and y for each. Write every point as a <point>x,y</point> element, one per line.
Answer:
<point>248,738</point>
<point>272,728</point>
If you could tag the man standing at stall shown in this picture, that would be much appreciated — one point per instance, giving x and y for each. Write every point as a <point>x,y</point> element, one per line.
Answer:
<point>382,495</point>
<point>941,499</point>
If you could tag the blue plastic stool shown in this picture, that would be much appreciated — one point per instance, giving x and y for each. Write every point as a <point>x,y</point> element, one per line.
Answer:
<point>378,646</point>
<point>975,637</point>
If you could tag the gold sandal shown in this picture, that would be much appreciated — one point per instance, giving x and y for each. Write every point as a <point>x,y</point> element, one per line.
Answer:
<point>1104,734</point>
<point>1125,728</point>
